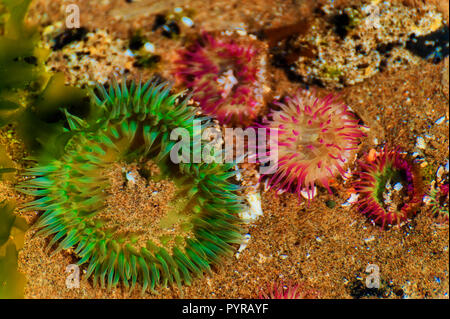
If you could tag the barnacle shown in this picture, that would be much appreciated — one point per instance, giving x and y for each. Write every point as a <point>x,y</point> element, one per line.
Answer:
<point>132,124</point>
<point>226,77</point>
<point>317,138</point>
<point>389,187</point>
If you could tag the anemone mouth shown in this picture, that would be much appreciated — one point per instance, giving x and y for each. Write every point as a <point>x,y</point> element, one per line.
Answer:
<point>316,141</point>
<point>390,188</point>
<point>112,226</point>
<point>226,77</point>
<point>144,204</point>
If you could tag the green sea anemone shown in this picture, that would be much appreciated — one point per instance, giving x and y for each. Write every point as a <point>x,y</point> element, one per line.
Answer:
<point>131,126</point>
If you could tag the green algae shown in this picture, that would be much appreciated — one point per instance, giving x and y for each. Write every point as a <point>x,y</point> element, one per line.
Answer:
<point>12,230</point>
<point>29,95</point>
<point>21,61</point>
<point>6,165</point>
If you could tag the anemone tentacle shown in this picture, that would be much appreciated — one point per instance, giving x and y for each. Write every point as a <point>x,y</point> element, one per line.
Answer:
<point>132,122</point>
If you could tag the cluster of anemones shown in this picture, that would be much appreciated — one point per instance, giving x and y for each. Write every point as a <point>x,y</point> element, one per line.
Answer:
<point>226,75</point>
<point>317,138</point>
<point>389,187</point>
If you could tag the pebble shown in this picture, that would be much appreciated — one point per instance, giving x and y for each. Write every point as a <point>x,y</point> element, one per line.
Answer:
<point>352,199</point>
<point>129,53</point>
<point>368,240</point>
<point>187,22</point>
<point>440,120</point>
<point>439,173</point>
<point>243,245</point>
<point>254,210</point>
<point>131,177</point>
<point>241,31</point>
<point>149,47</point>
<point>420,143</point>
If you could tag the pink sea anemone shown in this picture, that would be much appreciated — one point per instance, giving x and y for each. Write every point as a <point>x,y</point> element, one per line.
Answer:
<point>389,187</point>
<point>317,138</point>
<point>287,291</point>
<point>226,76</point>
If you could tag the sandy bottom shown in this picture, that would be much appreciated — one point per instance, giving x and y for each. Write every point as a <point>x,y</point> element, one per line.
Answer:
<point>325,249</point>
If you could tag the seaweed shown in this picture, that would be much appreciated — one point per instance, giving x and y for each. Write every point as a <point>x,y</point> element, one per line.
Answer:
<point>12,229</point>
<point>30,95</point>
<point>6,165</point>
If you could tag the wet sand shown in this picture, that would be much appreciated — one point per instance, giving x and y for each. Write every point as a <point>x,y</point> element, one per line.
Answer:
<point>325,249</point>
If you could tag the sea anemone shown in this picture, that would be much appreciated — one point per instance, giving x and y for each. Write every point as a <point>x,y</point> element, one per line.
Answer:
<point>317,138</point>
<point>389,187</point>
<point>133,124</point>
<point>287,291</point>
<point>439,202</point>
<point>226,76</point>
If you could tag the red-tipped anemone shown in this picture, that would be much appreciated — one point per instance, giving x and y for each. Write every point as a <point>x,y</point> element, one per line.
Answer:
<point>287,291</point>
<point>389,187</point>
<point>226,76</point>
<point>317,138</point>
